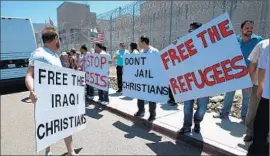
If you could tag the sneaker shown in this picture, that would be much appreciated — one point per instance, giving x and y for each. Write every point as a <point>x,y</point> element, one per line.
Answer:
<point>119,91</point>
<point>248,138</point>
<point>48,153</point>
<point>197,128</point>
<point>104,102</point>
<point>99,101</point>
<point>221,116</point>
<point>139,114</point>
<point>90,97</point>
<point>184,130</point>
<point>171,103</point>
<point>151,118</point>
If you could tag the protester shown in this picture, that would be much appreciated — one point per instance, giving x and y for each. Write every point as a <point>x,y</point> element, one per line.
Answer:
<point>46,54</point>
<point>146,48</point>
<point>134,48</point>
<point>103,95</point>
<point>118,55</point>
<point>73,61</point>
<point>82,67</point>
<point>260,144</point>
<point>254,101</point>
<point>65,59</point>
<point>247,41</point>
<point>188,105</point>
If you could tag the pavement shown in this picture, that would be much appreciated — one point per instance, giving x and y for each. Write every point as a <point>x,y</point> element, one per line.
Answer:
<point>105,133</point>
<point>222,136</point>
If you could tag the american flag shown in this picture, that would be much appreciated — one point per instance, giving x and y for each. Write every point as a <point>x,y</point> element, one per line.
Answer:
<point>51,22</point>
<point>98,39</point>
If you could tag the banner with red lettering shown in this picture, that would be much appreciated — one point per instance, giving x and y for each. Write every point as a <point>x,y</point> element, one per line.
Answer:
<point>206,62</point>
<point>97,71</point>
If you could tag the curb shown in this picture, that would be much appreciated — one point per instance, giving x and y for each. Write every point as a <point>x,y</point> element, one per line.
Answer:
<point>207,148</point>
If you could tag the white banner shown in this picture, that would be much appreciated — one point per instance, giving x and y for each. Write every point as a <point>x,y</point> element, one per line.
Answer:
<point>97,71</point>
<point>206,62</point>
<point>143,79</point>
<point>60,108</point>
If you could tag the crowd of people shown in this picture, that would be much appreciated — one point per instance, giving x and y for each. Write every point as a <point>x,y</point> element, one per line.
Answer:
<point>255,101</point>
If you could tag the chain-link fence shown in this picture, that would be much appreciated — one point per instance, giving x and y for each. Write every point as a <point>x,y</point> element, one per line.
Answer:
<point>164,21</point>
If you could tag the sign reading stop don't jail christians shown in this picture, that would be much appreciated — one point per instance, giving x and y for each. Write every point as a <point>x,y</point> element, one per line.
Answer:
<point>60,108</point>
<point>206,62</point>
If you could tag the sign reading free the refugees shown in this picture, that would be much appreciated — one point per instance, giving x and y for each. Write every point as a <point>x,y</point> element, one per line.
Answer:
<point>205,62</point>
<point>60,107</point>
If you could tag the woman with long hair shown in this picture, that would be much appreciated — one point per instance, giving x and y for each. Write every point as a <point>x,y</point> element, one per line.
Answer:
<point>134,48</point>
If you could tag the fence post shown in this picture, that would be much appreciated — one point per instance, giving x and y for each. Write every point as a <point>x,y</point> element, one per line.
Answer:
<point>231,9</point>
<point>111,34</point>
<point>133,21</point>
<point>224,6</point>
<point>171,13</point>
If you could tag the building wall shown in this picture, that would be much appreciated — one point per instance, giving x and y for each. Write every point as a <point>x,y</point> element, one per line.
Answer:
<point>74,23</point>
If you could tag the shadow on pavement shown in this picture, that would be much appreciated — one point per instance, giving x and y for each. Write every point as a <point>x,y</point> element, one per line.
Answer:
<point>168,107</point>
<point>26,100</point>
<point>244,145</point>
<point>10,89</point>
<point>126,98</point>
<point>233,127</point>
<point>77,151</point>
<point>93,111</point>
<point>115,94</point>
<point>169,148</point>
<point>136,131</point>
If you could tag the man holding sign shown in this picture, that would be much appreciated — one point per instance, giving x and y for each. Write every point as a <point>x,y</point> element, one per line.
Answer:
<point>46,54</point>
<point>146,48</point>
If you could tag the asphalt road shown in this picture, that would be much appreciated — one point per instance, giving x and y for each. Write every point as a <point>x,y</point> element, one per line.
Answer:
<point>106,133</point>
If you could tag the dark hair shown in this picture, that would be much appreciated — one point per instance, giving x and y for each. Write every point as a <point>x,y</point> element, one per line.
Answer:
<point>73,51</point>
<point>99,45</point>
<point>246,22</point>
<point>145,39</point>
<point>195,25</point>
<point>49,34</point>
<point>133,46</point>
<point>104,48</point>
<point>83,47</point>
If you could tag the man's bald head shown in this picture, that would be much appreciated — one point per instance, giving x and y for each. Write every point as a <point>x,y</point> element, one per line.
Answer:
<point>49,34</point>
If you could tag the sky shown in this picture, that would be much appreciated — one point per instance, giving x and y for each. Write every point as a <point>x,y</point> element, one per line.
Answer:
<point>39,11</point>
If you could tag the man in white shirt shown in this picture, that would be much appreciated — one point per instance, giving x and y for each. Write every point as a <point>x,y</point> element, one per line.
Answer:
<point>103,95</point>
<point>90,92</point>
<point>146,48</point>
<point>254,101</point>
<point>260,144</point>
<point>46,54</point>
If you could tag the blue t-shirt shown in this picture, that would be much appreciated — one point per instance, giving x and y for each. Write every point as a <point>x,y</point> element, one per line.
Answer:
<point>247,47</point>
<point>119,55</point>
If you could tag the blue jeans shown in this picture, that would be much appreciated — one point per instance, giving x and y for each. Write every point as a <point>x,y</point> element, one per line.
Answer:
<point>198,116</point>
<point>228,100</point>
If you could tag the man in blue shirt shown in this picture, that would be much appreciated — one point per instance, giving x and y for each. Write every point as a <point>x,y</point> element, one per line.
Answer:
<point>118,56</point>
<point>247,41</point>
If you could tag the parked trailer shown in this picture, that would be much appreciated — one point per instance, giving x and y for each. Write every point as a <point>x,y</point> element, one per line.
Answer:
<point>17,43</point>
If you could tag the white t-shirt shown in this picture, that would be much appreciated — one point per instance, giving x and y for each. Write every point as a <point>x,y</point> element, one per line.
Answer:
<point>264,64</point>
<point>255,56</point>
<point>150,50</point>
<point>45,55</point>
<point>105,53</point>
<point>135,51</point>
